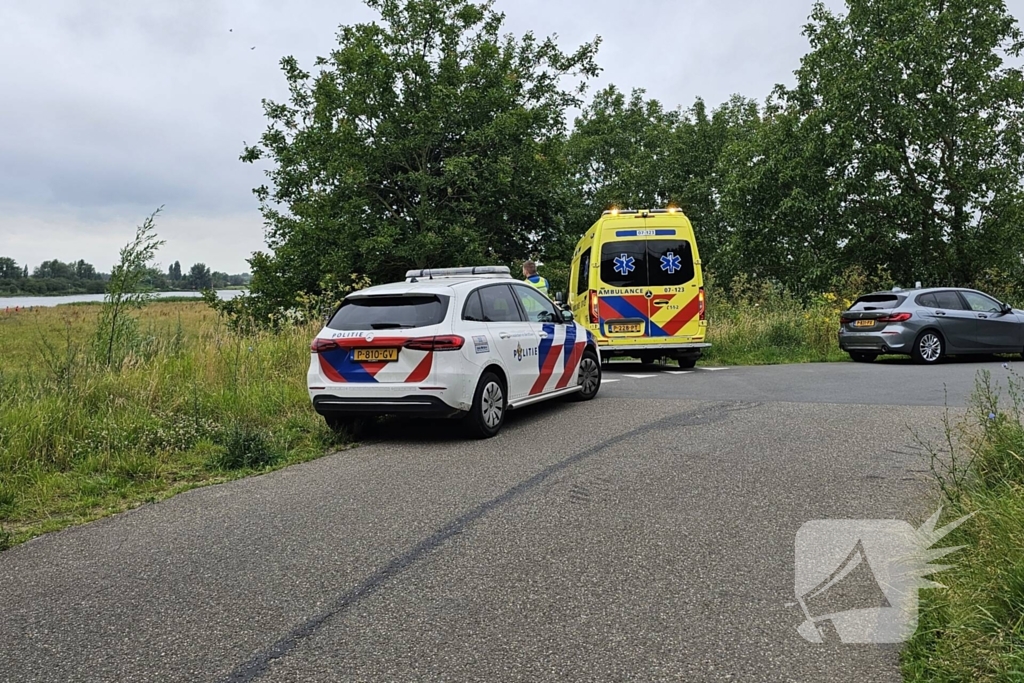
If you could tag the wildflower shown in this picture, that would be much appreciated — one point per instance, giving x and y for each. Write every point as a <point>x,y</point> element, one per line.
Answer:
<point>991,416</point>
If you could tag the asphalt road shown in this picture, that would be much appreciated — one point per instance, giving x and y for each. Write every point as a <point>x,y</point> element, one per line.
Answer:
<point>645,536</point>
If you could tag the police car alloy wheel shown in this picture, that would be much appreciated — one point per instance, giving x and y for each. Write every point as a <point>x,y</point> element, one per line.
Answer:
<point>489,406</point>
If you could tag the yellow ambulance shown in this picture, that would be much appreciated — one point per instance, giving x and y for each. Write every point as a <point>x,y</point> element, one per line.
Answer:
<point>636,284</point>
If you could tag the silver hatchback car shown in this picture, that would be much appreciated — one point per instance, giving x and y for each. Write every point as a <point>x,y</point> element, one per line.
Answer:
<point>928,324</point>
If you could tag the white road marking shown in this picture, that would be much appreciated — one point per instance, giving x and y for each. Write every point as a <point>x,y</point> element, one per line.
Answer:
<point>680,372</point>
<point>639,376</point>
<point>715,369</point>
<point>610,381</point>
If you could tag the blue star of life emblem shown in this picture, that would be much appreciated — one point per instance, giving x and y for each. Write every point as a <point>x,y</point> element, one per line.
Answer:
<point>670,263</point>
<point>624,264</point>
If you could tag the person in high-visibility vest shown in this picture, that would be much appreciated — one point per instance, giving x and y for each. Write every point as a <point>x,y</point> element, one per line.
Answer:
<point>530,273</point>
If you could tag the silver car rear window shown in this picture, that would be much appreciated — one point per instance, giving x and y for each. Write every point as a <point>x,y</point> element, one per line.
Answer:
<point>875,302</point>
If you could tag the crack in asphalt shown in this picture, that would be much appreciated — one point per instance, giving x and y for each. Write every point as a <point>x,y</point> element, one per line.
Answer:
<point>258,665</point>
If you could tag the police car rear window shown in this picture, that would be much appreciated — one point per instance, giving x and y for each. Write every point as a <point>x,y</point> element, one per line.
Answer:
<point>647,263</point>
<point>390,312</point>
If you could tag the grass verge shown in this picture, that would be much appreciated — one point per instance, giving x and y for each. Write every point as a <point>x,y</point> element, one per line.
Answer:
<point>773,328</point>
<point>973,629</point>
<point>192,403</point>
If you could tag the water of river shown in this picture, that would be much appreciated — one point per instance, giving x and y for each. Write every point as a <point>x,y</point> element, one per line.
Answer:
<point>11,302</point>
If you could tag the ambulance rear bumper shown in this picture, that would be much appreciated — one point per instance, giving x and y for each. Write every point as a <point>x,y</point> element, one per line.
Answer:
<point>609,346</point>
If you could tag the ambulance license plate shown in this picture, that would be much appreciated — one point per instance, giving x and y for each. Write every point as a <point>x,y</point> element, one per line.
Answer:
<point>375,355</point>
<point>625,328</point>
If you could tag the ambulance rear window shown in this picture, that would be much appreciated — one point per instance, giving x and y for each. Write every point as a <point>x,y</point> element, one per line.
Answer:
<point>624,264</point>
<point>647,263</point>
<point>670,262</point>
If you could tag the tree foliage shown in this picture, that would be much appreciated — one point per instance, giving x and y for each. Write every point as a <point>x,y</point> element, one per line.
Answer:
<point>425,138</point>
<point>199,277</point>
<point>922,122</point>
<point>428,138</point>
<point>9,269</point>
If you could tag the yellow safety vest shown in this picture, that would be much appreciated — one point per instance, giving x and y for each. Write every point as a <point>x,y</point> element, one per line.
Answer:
<point>538,282</point>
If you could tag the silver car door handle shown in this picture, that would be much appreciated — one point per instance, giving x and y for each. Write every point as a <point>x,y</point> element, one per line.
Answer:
<point>940,313</point>
<point>543,335</point>
<point>505,335</point>
<point>983,316</point>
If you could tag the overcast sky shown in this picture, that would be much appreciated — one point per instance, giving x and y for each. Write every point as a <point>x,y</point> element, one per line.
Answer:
<point>111,108</point>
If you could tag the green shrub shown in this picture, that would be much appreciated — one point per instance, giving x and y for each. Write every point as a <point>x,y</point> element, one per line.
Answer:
<point>245,447</point>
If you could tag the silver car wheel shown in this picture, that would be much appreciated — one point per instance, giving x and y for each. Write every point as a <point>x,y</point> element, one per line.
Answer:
<point>492,404</point>
<point>930,347</point>
<point>590,375</point>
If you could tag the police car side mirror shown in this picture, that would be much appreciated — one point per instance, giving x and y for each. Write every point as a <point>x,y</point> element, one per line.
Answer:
<point>559,298</point>
<point>567,317</point>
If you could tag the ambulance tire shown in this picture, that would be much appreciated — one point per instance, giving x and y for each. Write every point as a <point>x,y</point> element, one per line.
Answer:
<point>589,376</point>
<point>687,363</point>
<point>490,404</point>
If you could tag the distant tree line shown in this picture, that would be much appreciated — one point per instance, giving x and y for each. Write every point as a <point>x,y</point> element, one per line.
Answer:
<point>432,138</point>
<point>57,277</point>
<point>199,277</point>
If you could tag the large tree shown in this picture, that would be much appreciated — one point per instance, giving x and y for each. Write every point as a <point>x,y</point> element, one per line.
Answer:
<point>427,138</point>
<point>632,152</point>
<point>620,151</point>
<point>924,122</point>
<point>779,209</point>
<point>9,269</point>
<point>199,277</point>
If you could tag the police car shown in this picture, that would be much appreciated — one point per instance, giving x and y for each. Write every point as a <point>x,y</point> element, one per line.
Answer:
<point>469,343</point>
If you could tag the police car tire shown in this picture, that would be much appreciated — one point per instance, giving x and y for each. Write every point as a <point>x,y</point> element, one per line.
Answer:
<point>476,422</point>
<point>580,395</point>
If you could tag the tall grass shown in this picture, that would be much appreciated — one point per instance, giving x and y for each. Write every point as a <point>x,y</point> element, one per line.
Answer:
<point>763,324</point>
<point>973,630</point>
<point>193,402</point>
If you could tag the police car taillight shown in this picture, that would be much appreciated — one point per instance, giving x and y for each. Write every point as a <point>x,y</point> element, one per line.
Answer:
<point>701,307</point>
<point>594,318</point>
<point>445,342</point>
<point>322,345</point>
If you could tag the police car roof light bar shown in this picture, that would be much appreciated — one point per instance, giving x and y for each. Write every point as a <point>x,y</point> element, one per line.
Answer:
<point>436,273</point>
